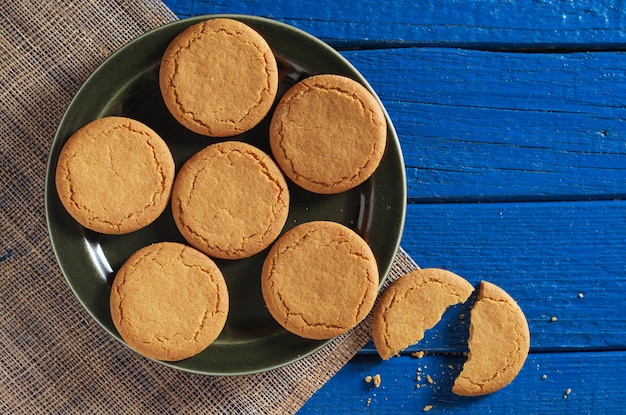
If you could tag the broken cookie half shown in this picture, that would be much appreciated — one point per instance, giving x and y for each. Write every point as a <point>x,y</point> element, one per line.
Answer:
<point>498,344</point>
<point>499,339</point>
<point>413,304</point>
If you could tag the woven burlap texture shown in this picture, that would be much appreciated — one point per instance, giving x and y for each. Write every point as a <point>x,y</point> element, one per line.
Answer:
<point>54,358</point>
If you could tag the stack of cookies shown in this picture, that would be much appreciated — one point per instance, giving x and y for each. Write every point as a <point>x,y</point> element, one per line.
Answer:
<point>327,134</point>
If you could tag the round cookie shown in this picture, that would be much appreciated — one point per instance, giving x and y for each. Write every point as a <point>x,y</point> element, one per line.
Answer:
<point>115,175</point>
<point>498,345</point>
<point>319,280</point>
<point>169,301</point>
<point>413,304</point>
<point>230,200</point>
<point>328,134</point>
<point>218,78</point>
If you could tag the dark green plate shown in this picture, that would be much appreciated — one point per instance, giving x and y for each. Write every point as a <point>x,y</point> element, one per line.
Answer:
<point>127,84</point>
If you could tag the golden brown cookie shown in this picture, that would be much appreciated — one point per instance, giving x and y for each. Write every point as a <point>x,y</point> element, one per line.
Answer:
<point>219,78</point>
<point>169,301</point>
<point>114,175</point>
<point>498,345</point>
<point>328,134</point>
<point>319,280</point>
<point>230,200</point>
<point>413,304</point>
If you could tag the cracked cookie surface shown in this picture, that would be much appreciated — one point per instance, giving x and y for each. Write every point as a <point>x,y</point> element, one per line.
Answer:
<point>219,78</point>
<point>114,175</point>
<point>498,345</point>
<point>328,134</point>
<point>413,304</point>
<point>169,301</point>
<point>230,200</point>
<point>319,280</point>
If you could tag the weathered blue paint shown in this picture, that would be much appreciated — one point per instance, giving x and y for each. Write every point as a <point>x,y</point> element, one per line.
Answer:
<point>487,24</point>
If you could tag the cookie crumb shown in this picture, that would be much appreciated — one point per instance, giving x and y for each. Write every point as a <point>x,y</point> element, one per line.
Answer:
<point>427,408</point>
<point>418,354</point>
<point>581,295</point>
<point>553,319</point>
<point>429,379</point>
<point>376,380</point>
<point>567,392</point>
<point>368,402</point>
<point>544,377</point>
<point>368,379</point>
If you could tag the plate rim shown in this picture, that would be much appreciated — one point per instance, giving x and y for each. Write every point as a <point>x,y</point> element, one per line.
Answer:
<point>102,66</point>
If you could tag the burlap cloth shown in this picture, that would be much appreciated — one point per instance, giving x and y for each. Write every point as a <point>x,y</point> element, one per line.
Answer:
<point>54,358</point>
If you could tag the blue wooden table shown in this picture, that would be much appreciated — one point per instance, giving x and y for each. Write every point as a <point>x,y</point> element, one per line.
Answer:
<point>512,120</point>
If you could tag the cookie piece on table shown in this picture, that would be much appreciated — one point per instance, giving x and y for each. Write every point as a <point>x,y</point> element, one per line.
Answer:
<point>169,301</point>
<point>230,200</point>
<point>498,345</point>
<point>319,280</point>
<point>219,78</point>
<point>115,175</point>
<point>328,134</point>
<point>413,304</point>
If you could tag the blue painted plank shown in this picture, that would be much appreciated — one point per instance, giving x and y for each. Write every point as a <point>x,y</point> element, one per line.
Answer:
<point>505,126</point>
<point>596,384</point>
<point>543,254</point>
<point>490,24</point>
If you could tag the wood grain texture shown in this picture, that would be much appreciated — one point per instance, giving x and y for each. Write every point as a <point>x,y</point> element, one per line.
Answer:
<point>504,126</point>
<point>592,378</point>
<point>486,24</point>
<point>544,254</point>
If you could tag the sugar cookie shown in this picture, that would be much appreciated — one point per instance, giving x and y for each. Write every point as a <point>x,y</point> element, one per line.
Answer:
<point>230,200</point>
<point>169,301</point>
<point>219,78</point>
<point>115,175</point>
<point>328,134</point>
<point>319,280</point>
